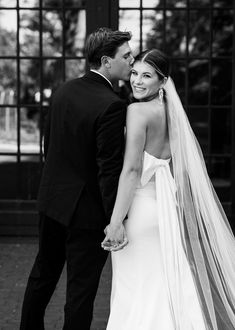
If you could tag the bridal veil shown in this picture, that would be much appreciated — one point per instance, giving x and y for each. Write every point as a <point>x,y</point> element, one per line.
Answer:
<point>206,235</point>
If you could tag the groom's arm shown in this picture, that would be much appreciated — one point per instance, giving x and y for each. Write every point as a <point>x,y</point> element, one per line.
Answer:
<point>109,152</point>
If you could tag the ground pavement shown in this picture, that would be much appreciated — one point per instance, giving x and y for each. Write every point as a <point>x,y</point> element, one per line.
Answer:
<point>16,258</point>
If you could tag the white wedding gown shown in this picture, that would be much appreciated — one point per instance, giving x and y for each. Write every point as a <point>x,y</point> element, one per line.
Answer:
<point>152,285</point>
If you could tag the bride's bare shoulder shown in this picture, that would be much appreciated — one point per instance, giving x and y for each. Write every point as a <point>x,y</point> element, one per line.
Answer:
<point>137,107</point>
<point>150,109</point>
<point>136,115</point>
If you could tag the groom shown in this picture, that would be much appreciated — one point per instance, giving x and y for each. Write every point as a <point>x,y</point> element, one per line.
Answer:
<point>84,143</point>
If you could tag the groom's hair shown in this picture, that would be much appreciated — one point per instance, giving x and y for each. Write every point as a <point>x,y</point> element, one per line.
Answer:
<point>104,41</point>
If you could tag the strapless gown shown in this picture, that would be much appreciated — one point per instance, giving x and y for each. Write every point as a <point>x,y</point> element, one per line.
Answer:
<point>152,283</point>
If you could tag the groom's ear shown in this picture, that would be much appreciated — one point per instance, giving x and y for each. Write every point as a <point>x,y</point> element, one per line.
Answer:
<point>105,61</point>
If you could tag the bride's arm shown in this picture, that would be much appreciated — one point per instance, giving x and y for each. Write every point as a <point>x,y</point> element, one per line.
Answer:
<point>135,142</point>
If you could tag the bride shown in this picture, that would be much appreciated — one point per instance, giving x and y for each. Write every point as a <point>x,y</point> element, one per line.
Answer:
<point>173,257</point>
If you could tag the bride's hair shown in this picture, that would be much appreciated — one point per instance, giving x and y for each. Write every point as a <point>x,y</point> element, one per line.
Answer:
<point>157,59</point>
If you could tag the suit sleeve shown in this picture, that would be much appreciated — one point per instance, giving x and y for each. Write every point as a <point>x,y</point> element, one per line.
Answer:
<point>109,152</point>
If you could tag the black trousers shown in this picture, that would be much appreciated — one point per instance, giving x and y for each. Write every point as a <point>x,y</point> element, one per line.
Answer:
<point>81,249</point>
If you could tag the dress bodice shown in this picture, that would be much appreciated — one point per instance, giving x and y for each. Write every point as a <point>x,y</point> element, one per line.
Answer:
<point>157,169</point>
<point>151,165</point>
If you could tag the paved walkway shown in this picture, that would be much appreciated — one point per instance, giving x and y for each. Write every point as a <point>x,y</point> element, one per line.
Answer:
<point>16,258</point>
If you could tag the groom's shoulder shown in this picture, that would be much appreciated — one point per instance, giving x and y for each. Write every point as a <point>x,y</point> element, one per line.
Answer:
<point>98,94</point>
<point>66,86</point>
<point>70,89</point>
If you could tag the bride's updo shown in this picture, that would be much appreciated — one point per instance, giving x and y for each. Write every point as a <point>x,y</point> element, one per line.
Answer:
<point>157,59</point>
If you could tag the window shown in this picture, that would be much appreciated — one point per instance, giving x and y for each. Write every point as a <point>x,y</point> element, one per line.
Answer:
<point>42,44</point>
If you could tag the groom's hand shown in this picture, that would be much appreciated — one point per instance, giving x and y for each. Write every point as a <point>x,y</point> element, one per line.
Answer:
<point>116,238</point>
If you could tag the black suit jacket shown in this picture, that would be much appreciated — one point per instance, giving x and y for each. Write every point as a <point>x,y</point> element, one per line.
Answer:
<point>84,143</point>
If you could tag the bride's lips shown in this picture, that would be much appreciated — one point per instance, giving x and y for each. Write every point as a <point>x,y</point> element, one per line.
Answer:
<point>139,89</point>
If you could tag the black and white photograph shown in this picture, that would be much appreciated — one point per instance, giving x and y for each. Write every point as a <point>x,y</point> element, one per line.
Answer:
<point>117,165</point>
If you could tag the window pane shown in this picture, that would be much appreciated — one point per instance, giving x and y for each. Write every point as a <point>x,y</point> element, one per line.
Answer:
<point>52,3</point>
<point>198,118</point>
<point>176,3</point>
<point>129,20</point>
<point>152,3</point>
<point>46,96</point>
<point>75,32</point>
<point>220,176</point>
<point>199,33</point>
<point>152,29</point>
<point>75,3</point>
<point>8,130</point>
<point>178,69</point>
<point>221,86</point>
<point>8,26</point>
<point>221,130</point>
<point>52,33</point>
<point>222,32</point>
<point>8,82</point>
<point>45,111</point>
<point>29,32</point>
<point>52,74</point>
<point>198,90</point>
<point>7,3</point>
<point>199,3</point>
<point>75,68</point>
<point>67,3</point>
<point>29,3</point>
<point>30,176</point>
<point>8,177</point>
<point>176,32</point>
<point>29,130</point>
<point>129,3</point>
<point>29,81</point>
<point>223,3</point>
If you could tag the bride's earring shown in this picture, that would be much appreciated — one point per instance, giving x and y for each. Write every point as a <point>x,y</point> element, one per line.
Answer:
<point>160,95</point>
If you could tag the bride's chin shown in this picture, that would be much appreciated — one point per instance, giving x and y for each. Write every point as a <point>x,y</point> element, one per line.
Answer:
<point>137,97</point>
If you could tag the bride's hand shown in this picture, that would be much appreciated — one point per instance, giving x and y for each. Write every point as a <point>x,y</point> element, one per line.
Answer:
<point>116,238</point>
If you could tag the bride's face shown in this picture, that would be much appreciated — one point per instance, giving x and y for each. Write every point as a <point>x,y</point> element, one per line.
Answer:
<point>144,80</point>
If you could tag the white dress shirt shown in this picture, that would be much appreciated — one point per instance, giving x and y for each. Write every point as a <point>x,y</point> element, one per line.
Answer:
<point>93,70</point>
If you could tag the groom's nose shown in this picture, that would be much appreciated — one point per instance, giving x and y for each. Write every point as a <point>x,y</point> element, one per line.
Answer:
<point>131,59</point>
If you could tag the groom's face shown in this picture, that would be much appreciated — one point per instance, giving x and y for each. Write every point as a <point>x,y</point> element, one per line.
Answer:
<point>121,64</point>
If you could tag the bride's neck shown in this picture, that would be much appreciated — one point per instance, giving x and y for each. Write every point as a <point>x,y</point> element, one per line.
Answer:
<point>150,98</point>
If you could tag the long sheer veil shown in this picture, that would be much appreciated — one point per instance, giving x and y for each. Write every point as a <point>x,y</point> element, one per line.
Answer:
<point>207,238</point>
